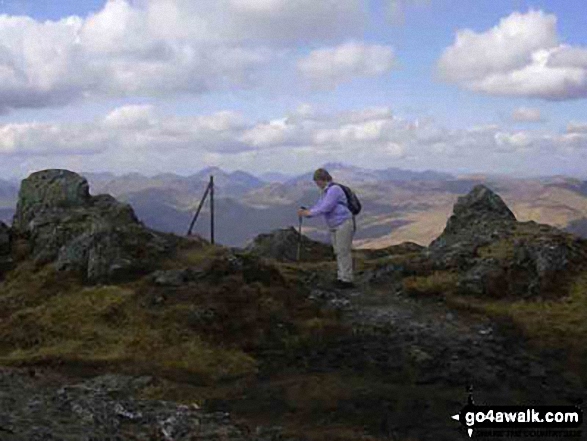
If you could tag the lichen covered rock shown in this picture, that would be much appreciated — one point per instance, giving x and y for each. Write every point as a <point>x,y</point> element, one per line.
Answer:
<point>95,235</point>
<point>498,256</point>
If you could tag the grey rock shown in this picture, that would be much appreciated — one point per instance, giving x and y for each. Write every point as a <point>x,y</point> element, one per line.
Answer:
<point>526,259</point>
<point>104,408</point>
<point>419,355</point>
<point>96,236</point>
<point>479,206</point>
<point>6,261</point>
<point>177,277</point>
<point>48,189</point>
<point>282,245</point>
<point>487,276</point>
<point>4,239</point>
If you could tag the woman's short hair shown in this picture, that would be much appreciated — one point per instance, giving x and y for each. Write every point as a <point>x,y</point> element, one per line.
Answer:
<point>322,175</point>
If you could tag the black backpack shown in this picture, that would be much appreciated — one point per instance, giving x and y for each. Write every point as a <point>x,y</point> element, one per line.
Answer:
<point>353,203</point>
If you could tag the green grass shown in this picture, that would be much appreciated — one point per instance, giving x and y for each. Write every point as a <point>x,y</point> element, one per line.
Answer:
<point>96,325</point>
<point>208,330</point>
<point>439,283</point>
<point>552,323</point>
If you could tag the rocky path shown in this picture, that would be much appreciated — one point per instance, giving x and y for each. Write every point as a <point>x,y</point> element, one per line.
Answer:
<point>443,352</point>
<point>41,405</point>
<point>456,345</point>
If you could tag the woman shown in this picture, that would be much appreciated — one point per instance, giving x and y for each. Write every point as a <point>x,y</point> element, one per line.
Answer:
<point>333,206</point>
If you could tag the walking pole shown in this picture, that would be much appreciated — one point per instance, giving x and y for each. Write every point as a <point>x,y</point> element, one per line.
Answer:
<point>300,235</point>
<point>299,239</point>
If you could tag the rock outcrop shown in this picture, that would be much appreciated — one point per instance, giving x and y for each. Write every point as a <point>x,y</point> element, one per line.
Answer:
<point>282,245</point>
<point>104,408</point>
<point>5,258</point>
<point>252,268</point>
<point>4,239</point>
<point>96,235</point>
<point>498,256</point>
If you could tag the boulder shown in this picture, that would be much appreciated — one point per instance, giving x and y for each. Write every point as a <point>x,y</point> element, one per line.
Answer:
<point>282,245</point>
<point>95,235</point>
<point>4,239</point>
<point>49,189</point>
<point>480,211</point>
<point>497,256</point>
<point>5,242</point>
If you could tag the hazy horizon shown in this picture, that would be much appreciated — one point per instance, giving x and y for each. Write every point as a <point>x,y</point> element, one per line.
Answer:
<point>260,175</point>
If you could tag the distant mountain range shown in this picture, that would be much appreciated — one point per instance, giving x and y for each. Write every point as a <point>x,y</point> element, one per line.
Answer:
<point>398,205</point>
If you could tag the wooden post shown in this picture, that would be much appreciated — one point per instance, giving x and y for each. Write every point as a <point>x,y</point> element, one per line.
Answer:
<point>198,210</point>
<point>211,185</point>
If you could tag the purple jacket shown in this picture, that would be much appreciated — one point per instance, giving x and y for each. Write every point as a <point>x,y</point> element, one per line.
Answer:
<point>333,205</point>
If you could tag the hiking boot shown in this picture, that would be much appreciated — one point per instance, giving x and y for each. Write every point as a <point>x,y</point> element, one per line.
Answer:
<point>343,284</point>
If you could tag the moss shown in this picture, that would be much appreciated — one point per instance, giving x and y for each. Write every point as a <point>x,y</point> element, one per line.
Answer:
<point>501,250</point>
<point>191,253</point>
<point>439,283</point>
<point>551,323</point>
<point>106,324</point>
<point>548,324</point>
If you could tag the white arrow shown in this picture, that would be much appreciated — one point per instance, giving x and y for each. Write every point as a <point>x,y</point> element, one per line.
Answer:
<point>470,432</point>
<point>455,417</point>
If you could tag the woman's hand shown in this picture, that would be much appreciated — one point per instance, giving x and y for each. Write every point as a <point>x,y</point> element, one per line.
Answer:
<point>303,212</point>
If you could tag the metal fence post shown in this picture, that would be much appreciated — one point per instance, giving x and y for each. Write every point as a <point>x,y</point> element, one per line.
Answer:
<point>198,210</point>
<point>212,209</point>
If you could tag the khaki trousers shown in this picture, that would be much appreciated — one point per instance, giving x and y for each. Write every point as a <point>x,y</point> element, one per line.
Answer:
<point>342,241</point>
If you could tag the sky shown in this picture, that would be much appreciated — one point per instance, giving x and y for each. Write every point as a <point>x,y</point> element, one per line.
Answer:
<point>174,86</point>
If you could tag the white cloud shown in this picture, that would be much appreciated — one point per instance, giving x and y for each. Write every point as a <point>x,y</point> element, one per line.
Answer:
<point>328,67</point>
<point>158,47</point>
<point>130,117</point>
<point>571,142</point>
<point>51,139</point>
<point>527,114</point>
<point>517,140</point>
<point>568,56</point>
<point>577,127</point>
<point>141,138</point>
<point>520,56</point>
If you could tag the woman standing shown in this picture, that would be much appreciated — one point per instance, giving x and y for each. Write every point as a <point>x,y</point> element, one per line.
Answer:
<point>339,219</point>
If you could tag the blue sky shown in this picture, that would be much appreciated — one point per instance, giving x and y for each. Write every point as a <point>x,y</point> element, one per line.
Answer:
<point>159,86</point>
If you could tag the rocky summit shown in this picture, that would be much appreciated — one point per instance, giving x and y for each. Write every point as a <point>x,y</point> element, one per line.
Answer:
<point>57,220</point>
<point>479,207</point>
<point>494,254</point>
<point>282,245</point>
<point>213,343</point>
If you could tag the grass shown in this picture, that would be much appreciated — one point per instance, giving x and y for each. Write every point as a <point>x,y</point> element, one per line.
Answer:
<point>193,253</point>
<point>439,283</point>
<point>559,324</point>
<point>97,325</point>
<point>207,331</point>
<point>552,323</point>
